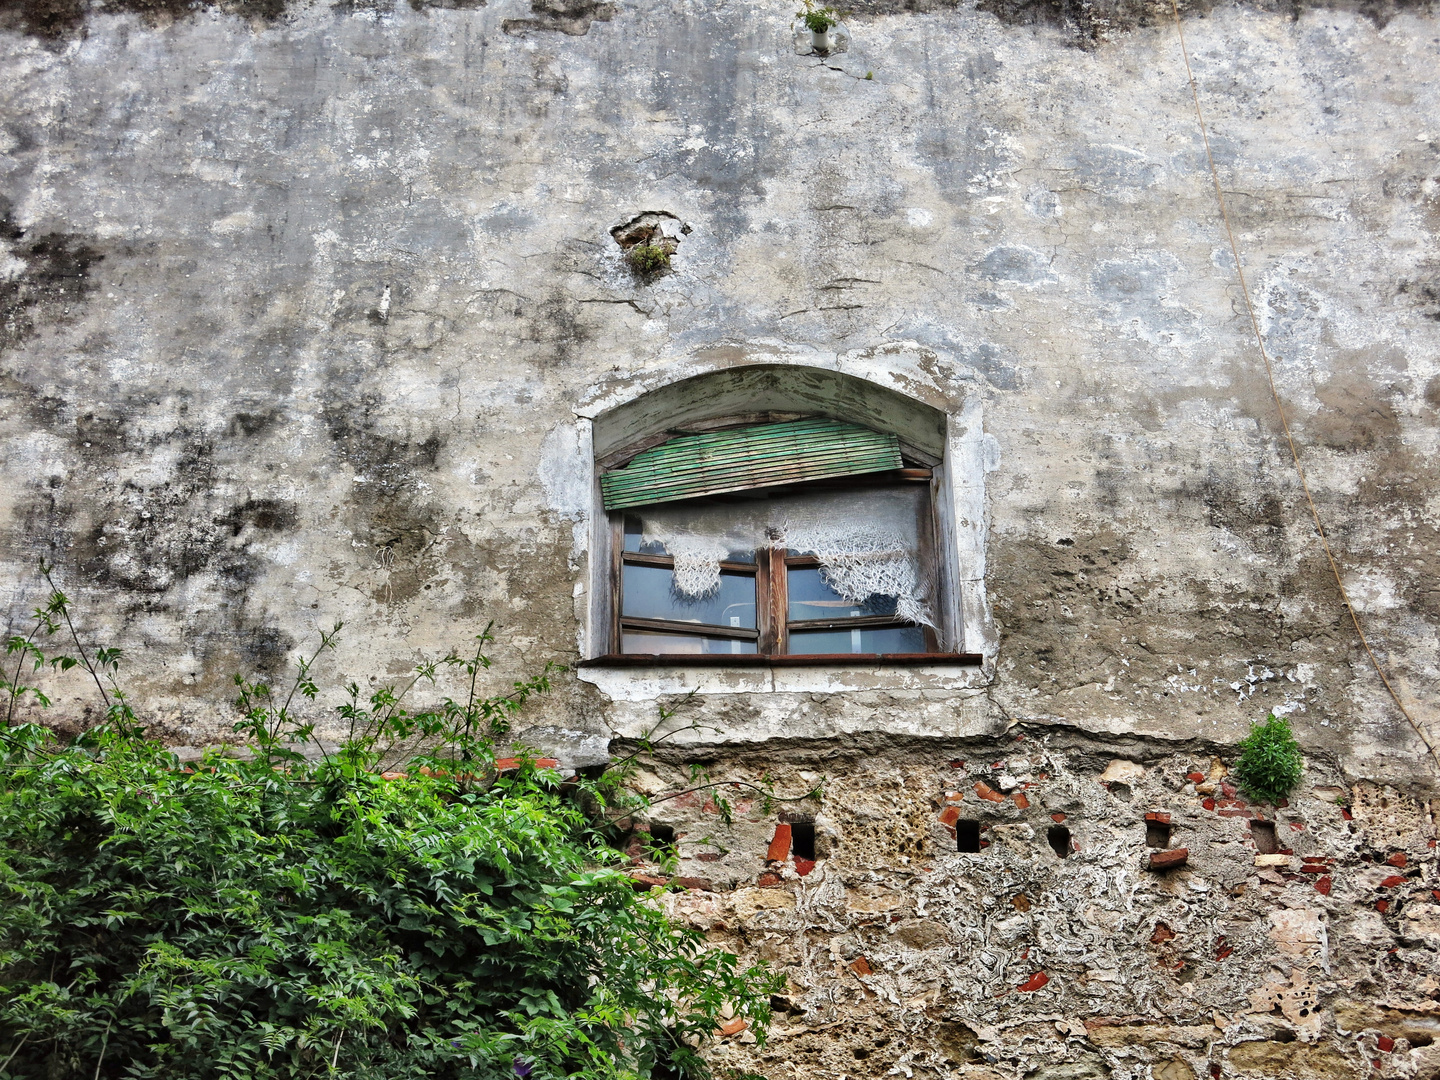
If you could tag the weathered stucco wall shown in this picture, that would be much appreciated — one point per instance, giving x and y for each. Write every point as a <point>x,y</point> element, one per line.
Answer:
<point>306,313</point>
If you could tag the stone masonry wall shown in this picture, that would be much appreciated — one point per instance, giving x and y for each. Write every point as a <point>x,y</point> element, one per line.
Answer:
<point>1064,955</point>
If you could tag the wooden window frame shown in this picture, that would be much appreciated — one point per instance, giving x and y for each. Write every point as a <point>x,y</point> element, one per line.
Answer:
<point>771,572</point>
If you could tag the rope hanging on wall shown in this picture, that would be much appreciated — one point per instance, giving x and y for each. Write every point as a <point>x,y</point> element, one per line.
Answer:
<point>1275,393</point>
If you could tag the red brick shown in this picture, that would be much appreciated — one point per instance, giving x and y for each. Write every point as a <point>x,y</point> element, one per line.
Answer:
<point>1162,933</point>
<point>780,843</point>
<point>1391,881</point>
<point>704,884</point>
<point>1297,826</point>
<point>957,764</point>
<point>1382,906</point>
<point>1323,886</point>
<point>732,1027</point>
<point>1346,814</point>
<point>708,856</point>
<point>1282,803</point>
<point>1317,869</point>
<point>648,881</point>
<point>1228,789</point>
<point>1057,817</point>
<point>1021,801</point>
<point>985,791</point>
<point>861,966</point>
<point>1195,777</point>
<point>1035,982</point>
<point>1223,951</point>
<point>1435,893</point>
<point>768,880</point>
<point>949,815</point>
<point>1169,860</point>
<point>1385,1043</point>
<point>1398,859</point>
<point>1208,804</point>
<point>803,866</point>
<point>505,764</point>
<point>1235,813</point>
<point>1163,819</point>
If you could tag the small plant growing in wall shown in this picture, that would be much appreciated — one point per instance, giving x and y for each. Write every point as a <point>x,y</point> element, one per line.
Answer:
<point>819,21</point>
<point>647,260</point>
<point>1270,762</point>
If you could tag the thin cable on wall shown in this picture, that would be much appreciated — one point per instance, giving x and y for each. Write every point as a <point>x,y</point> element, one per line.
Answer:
<point>1275,393</point>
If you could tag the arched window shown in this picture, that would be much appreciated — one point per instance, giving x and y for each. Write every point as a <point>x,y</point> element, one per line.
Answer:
<point>808,532</point>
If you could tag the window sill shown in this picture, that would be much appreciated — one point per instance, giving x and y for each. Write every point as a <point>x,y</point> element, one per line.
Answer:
<point>741,660</point>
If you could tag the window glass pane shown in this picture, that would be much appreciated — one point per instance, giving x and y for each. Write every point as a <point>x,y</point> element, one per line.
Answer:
<point>812,598</point>
<point>648,592</point>
<point>895,639</point>
<point>634,641</point>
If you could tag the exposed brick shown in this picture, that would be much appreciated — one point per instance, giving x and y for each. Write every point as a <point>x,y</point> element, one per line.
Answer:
<point>1162,933</point>
<point>1057,817</point>
<point>1345,814</point>
<point>1398,859</point>
<point>1282,803</point>
<point>949,815</point>
<point>803,866</point>
<point>957,764</point>
<point>1162,818</point>
<point>1223,951</point>
<point>1435,893</point>
<point>708,856</point>
<point>505,764</point>
<point>1169,860</point>
<point>732,1027</point>
<point>1382,906</point>
<point>1391,881</point>
<point>1309,869</point>
<point>1235,813</point>
<point>1035,982</point>
<point>1228,788</point>
<point>1208,804</point>
<point>648,881</point>
<point>861,966</point>
<point>1385,1043</point>
<point>780,843</point>
<point>701,883</point>
<point>1021,801</point>
<point>985,791</point>
<point>1323,886</point>
<point>1195,777</point>
<point>768,880</point>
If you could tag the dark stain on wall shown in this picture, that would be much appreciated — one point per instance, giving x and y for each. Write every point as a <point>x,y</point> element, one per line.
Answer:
<point>55,281</point>
<point>59,19</point>
<point>571,17</point>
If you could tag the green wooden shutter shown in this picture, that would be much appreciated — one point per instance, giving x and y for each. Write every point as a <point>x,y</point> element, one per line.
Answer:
<point>763,455</point>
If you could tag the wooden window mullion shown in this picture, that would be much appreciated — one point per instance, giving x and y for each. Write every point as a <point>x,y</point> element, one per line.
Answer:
<point>779,607</point>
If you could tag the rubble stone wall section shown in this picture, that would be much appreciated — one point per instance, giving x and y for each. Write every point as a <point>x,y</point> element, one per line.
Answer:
<point>1318,955</point>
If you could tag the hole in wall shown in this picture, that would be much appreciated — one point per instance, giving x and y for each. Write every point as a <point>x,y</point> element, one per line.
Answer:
<point>648,240</point>
<point>1059,838</point>
<point>802,840</point>
<point>1121,791</point>
<point>1157,834</point>
<point>967,836</point>
<point>1263,833</point>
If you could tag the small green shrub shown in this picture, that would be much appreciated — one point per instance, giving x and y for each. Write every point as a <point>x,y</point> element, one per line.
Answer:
<point>649,258</point>
<point>1270,762</point>
<point>818,19</point>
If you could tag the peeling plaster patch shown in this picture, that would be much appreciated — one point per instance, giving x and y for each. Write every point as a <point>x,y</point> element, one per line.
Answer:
<point>1014,264</point>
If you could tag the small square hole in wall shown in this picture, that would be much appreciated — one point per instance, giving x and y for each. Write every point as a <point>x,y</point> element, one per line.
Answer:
<point>1059,838</point>
<point>1263,833</point>
<point>802,840</point>
<point>662,840</point>
<point>1157,834</point>
<point>967,836</point>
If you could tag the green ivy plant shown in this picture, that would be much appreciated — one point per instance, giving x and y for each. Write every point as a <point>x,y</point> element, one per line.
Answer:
<point>1270,763</point>
<point>400,905</point>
